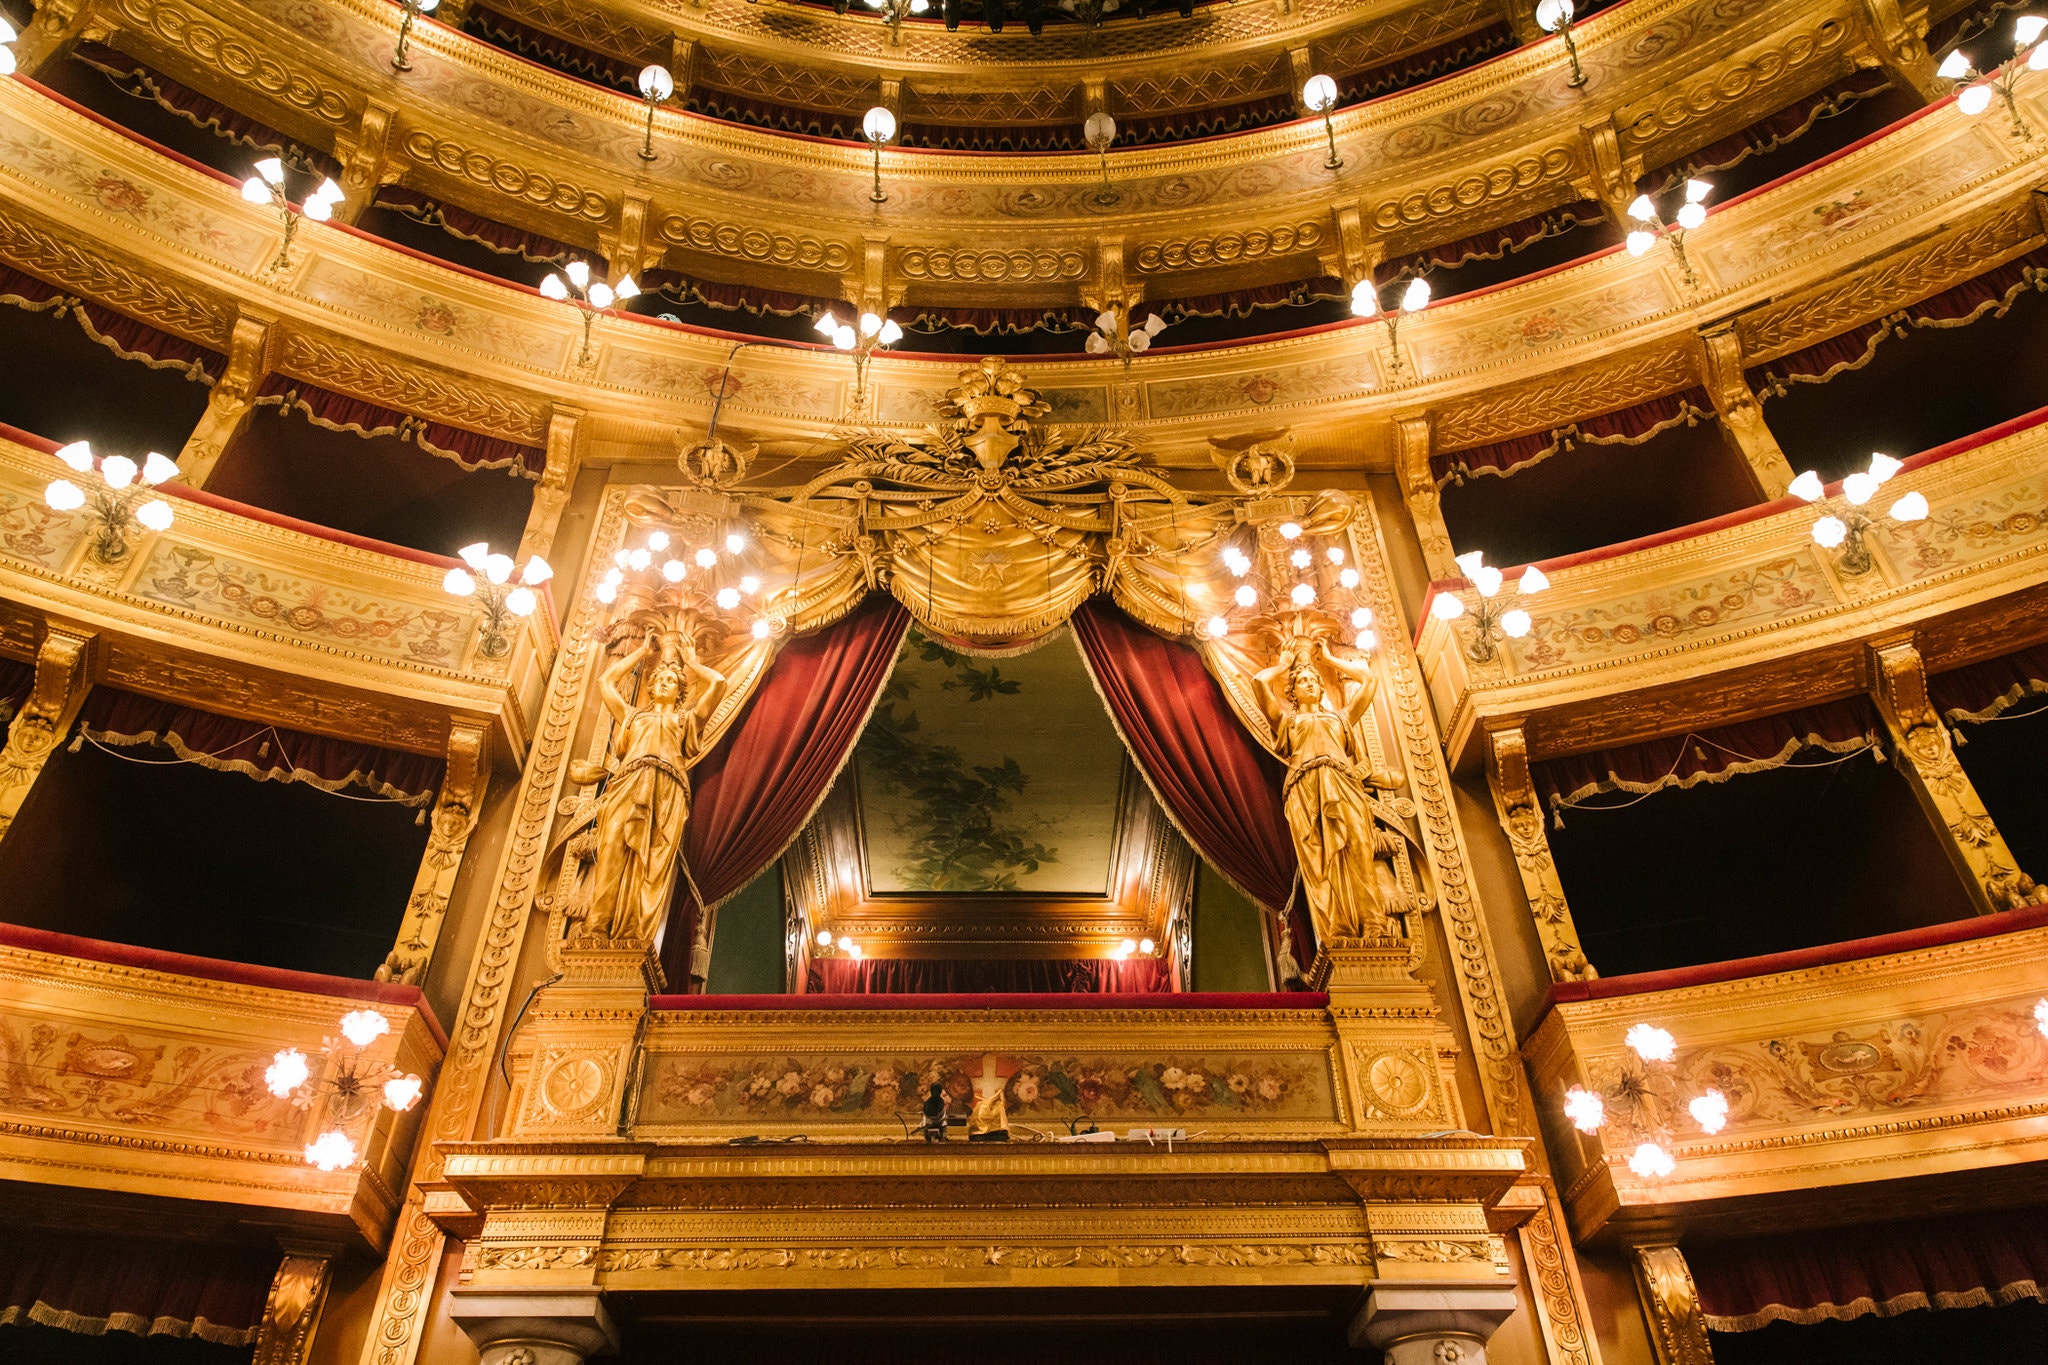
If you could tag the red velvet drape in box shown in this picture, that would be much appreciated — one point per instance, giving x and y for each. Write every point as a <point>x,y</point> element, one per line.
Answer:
<point>95,1285</point>
<point>983,976</point>
<point>1978,692</point>
<point>1220,787</point>
<point>1947,1262</point>
<point>753,792</point>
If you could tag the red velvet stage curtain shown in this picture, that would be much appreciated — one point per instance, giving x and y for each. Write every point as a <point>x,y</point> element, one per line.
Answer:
<point>929,318</point>
<point>94,1285</point>
<point>1981,691</point>
<point>736,298</point>
<point>1494,243</point>
<point>1991,293</point>
<point>264,752</point>
<point>339,412</point>
<point>756,789</point>
<point>456,222</point>
<point>1221,789</point>
<point>1631,425</point>
<point>1841,727</point>
<point>1968,1261</point>
<point>985,976</point>
<point>1242,303</point>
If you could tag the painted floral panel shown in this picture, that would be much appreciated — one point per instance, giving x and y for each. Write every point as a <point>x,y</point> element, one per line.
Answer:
<point>1968,530</point>
<point>1739,599</point>
<point>130,1079</point>
<point>1572,319</point>
<point>745,389</point>
<point>32,533</point>
<point>1037,1088</point>
<point>1279,386</point>
<point>418,313</point>
<point>183,576</point>
<point>36,155</point>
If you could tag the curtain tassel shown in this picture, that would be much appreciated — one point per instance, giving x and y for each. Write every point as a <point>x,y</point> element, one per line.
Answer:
<point>263,750</point>
<point>77,741</point>
<point>419,817</point>
<point>1877,751</point>
<point>1957,737</point>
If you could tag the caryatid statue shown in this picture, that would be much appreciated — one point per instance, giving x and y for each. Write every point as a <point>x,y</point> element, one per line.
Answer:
<point>1317,702</point>
<point>641,813</point>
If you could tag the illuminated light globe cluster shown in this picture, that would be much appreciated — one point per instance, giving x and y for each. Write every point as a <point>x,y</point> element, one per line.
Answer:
<point>489,578</point>
<point>1978,87</point>
<point>871,329</point>
<point>116,496</point>
<point>1131,947</point>
<point>348,1091</point>
<point>1300,575</point>
<point>7,37</point>
<point>1647,1096</point>
<point>1491,618</point>
<point>267,187</point>
<point>716,571</point>
<point>1844,523</point>
<point>1691,215</point>
<point>843,944</point>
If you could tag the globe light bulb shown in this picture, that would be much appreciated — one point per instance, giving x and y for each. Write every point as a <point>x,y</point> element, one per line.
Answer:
<point>1365,642</point>
<point>1304,594</point>
<point>728,598</point>
<point>1642,210</point>
<point>1147,946</point>
<point>2026,29</point>
<point>1347,577</point>
<point>364,1027</point>
<point>750,585</point>
<point>1954,67</point>
<point>331,1151</point>
<point>255,191</point>
<point>271,169</point>
<point>7,64</point>
<point>1974,100</point>
<point>118,470</point>
<point>606,592</point>
<point>762,630</point>
<point>1319,94</point>
<point>1690,216</point>
<point>287,1072</point>
<point>600,295</point>
<point>845,338</point>
<point>1858,488</point>
<point>1696,191</point>
<point>1290,530</point>
<point>1552,15</point>
<point>552,287</point>
<point>878,124</point>
<point>537,571</point>
<point>403,1092</point>
<point>1710,1111</point>
<point>826,326</point>
<point>1883,466</point>
<point>2037,60</point>
<point>521,601</point>
<point>1365,299</point>
<point>1640,242</point>
<point>578,273</point>
<point>1807,486</point>
<point>1651,1162</point>
<point>158,469</point>
<point>64,495</point>
<point>319,210</point>
<point>78,455</point>
<point>1335,554</point>
<point>706,557</point>
<point>1584,1109</point>
<point>1515,623</point>
<point>1911,507</point>
<point>1416,297</point>
<point>673,570</point>
<point>656,83</point>
<point>824,938</point>
<point>870,323</point>
<point>734,542</point>
<point>155,515</point>
<point>1361,617</point>
<point>855,952</point>
<point>1301,559</point>
<point>2041,1017</point>
<point>1446,606</point>
<point>1532,581</point>
<point>1246,595</point>
<point>625,288</point>
<point>1217,626</point>
<point>657,540</point>
<point>1487,579</point>
<point>1651,1043</point>
<point>890,333</point>
<point>845,943</point>
<point>1829,532</point>
<point>458,582</point>
<point>639,559</point>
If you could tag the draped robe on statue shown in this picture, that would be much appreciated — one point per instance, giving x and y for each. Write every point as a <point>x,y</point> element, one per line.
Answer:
<point>640,823</point>
<point>1329,810</point>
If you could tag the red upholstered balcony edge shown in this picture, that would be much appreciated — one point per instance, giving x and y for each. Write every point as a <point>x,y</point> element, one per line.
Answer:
<point>213,969</point>
<point>1799,959</point>
<point>1960,446</point>
<point>1096,1000</point>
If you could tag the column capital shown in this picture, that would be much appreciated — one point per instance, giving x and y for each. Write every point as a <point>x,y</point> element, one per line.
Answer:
<point>1423,1323</point>
<point>534,1326</point>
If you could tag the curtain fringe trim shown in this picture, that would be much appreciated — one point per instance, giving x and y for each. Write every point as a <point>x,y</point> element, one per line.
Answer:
<point>409,428</point>
<point>1569,437</point>
<point>70,305</point>
<point>1613,783</point>
<point>2011,697</point>
<point>2019,1291</point>
<point>63,1319</point>
<point>290,773</point>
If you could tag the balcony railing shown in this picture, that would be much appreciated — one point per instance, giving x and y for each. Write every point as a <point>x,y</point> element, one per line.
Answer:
<point>142,1073</point>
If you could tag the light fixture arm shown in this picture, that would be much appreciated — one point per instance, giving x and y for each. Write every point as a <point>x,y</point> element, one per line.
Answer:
<point>1331,162</point>
<point>1571,50</point>
<point>647,142</point>
<point>412,14</point>
<point>1108,194</point>
<point>877,195</point>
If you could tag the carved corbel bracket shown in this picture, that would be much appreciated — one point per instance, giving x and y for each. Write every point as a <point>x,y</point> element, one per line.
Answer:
<point>365,167</point>
<point>298,1292</point>
<point>1609,176</point>
<point>552,495</point>
<point>1412,438</point>
<point>58,27</point>
<point>625,247</point>
<point>454,819</point>
<point>1742,417</point>
<point>66,663</point>
<point>1671,1303</point>
<point>1898,683</point>
<point>1521,817</point>
<point>1894,37</point>
<point>1358,249</point>
<point>250,353</point>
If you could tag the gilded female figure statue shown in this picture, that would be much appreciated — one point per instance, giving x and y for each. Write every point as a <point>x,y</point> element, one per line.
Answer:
<point>1346,869</point>
<point>645,805</point>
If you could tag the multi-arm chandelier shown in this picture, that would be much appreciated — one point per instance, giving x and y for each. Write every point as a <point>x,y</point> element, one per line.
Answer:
<point>489,578</point>
<point>714,576</point>
<point>1492,619</point>
<point>1644,1101</point>
<point>1844,524</point>
<point>119,494</point>
<point>352,1086</point>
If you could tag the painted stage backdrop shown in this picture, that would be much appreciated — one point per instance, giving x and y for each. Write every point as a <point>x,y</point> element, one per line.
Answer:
<point>980,774</point>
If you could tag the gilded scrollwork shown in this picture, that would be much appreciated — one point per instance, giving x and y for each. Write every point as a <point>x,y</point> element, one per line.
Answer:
<point>412,389</point>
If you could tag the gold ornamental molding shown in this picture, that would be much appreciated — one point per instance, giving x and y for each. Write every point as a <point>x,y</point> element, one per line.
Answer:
<point>1754,617</point>
<point>50,257</point>
<point>1922,1063</point>
<point>224,611</point>
<point>143,1081</point>
<point>408,388</point>
<point>490,169</point>
<point>768,246</point>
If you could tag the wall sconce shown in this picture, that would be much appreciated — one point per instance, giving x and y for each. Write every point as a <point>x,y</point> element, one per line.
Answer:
<point>1319,95</point>
<point>119,488</point>
<point>1846,524</point>
<point>413,10</point>
<point>862,338</point>
<point>894,12</point>
<point>267,187</point>
<point>1098,132</point>
<point>656,85</point>
<point>7,36</point>
<point>1365,303</point>
<point>1144,947</point>
<point>827,946</point>
<point>1975,97</point>
<point>491,584</point>
<point>1109,335</point>
<point>878,126</point>
<point>1691,214</point>
<point>1647,1096</point>
<point>572,284</point>
<point>348,1088</point>
<point>1491,620</point>
<point>1555,16</point>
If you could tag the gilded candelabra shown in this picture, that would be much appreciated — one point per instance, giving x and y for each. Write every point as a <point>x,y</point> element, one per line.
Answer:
<point>1844,525</point>
<point>1647,1096</point>
<point>352,1086</point>
<point>1365,303</point>
<point>413,10</point>
<point>1651,225</point>
<point>267,187</point>
<point>1555,16</point>
<point>120,496</point>
<point>489,578</point>
<point>572,284</point>
<point>1492,619</point>
<point>1975,96</point>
